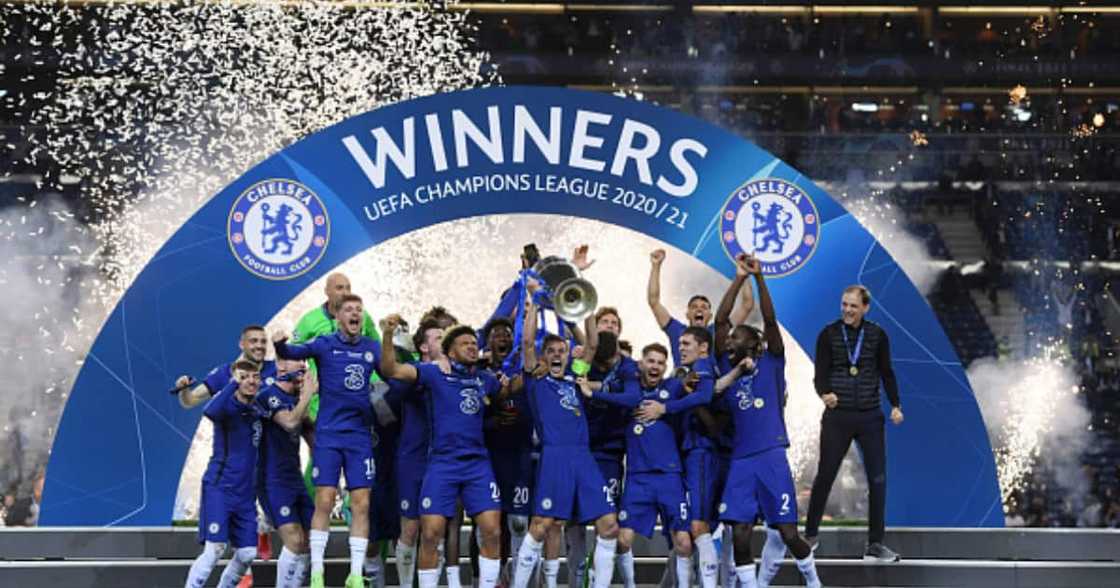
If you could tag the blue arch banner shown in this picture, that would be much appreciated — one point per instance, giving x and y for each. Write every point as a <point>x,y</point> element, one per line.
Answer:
<point>123,440</point>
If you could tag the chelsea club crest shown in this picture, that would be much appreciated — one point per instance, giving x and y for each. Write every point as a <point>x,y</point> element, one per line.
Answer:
<point>278,229</point>
<point>774,220</point>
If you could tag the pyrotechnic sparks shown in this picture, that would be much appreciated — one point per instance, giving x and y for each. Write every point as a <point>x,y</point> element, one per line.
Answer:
<point>1017,94</point>
<point>1021,402</point>
<point>918,138</point>
<point>1083,130</point>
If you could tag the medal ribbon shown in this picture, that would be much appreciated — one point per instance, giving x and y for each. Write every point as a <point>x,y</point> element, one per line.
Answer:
<point>853,356</point>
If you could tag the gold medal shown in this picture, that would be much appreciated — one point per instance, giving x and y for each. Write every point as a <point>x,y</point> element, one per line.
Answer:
<point>854,371</point>
<point>639,429</point>
<point>577,412</point>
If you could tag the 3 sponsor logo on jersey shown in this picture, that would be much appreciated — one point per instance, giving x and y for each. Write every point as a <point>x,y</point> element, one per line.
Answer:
<point>470,404</point>
<point>278,229</point>
<point>774,220</point>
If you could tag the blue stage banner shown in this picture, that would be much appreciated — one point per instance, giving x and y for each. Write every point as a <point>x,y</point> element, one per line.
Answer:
<point>122,441</point>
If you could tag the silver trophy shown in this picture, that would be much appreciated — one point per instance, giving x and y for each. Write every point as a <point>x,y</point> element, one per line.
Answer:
<point>573,298</point>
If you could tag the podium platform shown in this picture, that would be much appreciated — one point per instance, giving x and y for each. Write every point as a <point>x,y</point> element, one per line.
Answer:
<point>1006,558</point>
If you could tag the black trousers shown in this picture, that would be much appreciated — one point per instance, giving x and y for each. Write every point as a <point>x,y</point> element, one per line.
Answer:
<point>838,429</point>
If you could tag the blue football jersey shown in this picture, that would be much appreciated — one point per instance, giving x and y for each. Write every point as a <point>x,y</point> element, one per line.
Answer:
<point>558,411</point>
<point>755,403</point>
<point>455,408</point>
<point>651,446</point>
<point>605,422</point>
<point>695,434</point>
<point>279,451</point>
<point>343,367</point>
<point>237,435</point>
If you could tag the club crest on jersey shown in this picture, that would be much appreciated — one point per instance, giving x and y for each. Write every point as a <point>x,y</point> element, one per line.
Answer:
<point>285,511</point>
<point>368,357</point>
<point>214,527</point>
<point>404,505</point>
<point>663,394</point>
<point>278,229</point>
<point>775,221</point>
<point>269,381</point>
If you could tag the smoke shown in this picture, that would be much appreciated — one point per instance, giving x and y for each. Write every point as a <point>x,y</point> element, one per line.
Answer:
<point>886,221</point>
<point>1034,417</point>
<point>46,259</point>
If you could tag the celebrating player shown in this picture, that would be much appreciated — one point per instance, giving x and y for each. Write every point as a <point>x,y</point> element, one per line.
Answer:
<point>253,344</point>
<point>509,438</point>
<point>459,466</point>
<point>412,453</point>
<point>282,494</point>
<point>698,446</point>
<point>345,360</point>
<point>760,480</point>
<point>568,479</point>
<point>654,481</point>
<point>606,425</point>
<point>229,513</point>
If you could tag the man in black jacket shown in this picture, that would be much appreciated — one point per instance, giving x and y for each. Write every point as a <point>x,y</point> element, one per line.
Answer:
<point>853,357</point>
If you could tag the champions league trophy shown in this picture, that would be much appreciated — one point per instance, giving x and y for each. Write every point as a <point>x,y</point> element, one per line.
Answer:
<point>573,298</point>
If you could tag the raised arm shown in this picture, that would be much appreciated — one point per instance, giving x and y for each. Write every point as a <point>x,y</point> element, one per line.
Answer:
<point>653,289</point>
<point>291,420</point>
<point>285,350</point>
<point>770,329</point>
<point>390,368</point>
<point>723,320</point>
<point>591,336</point>
<point>743,310</point>
<point>529,332</point>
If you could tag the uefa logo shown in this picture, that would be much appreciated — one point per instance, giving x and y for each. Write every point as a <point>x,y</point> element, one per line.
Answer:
<point>278,229</point>
<point>775,221</point>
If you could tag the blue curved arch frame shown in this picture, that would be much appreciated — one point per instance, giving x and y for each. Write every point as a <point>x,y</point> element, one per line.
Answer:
<point>122,440</point>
